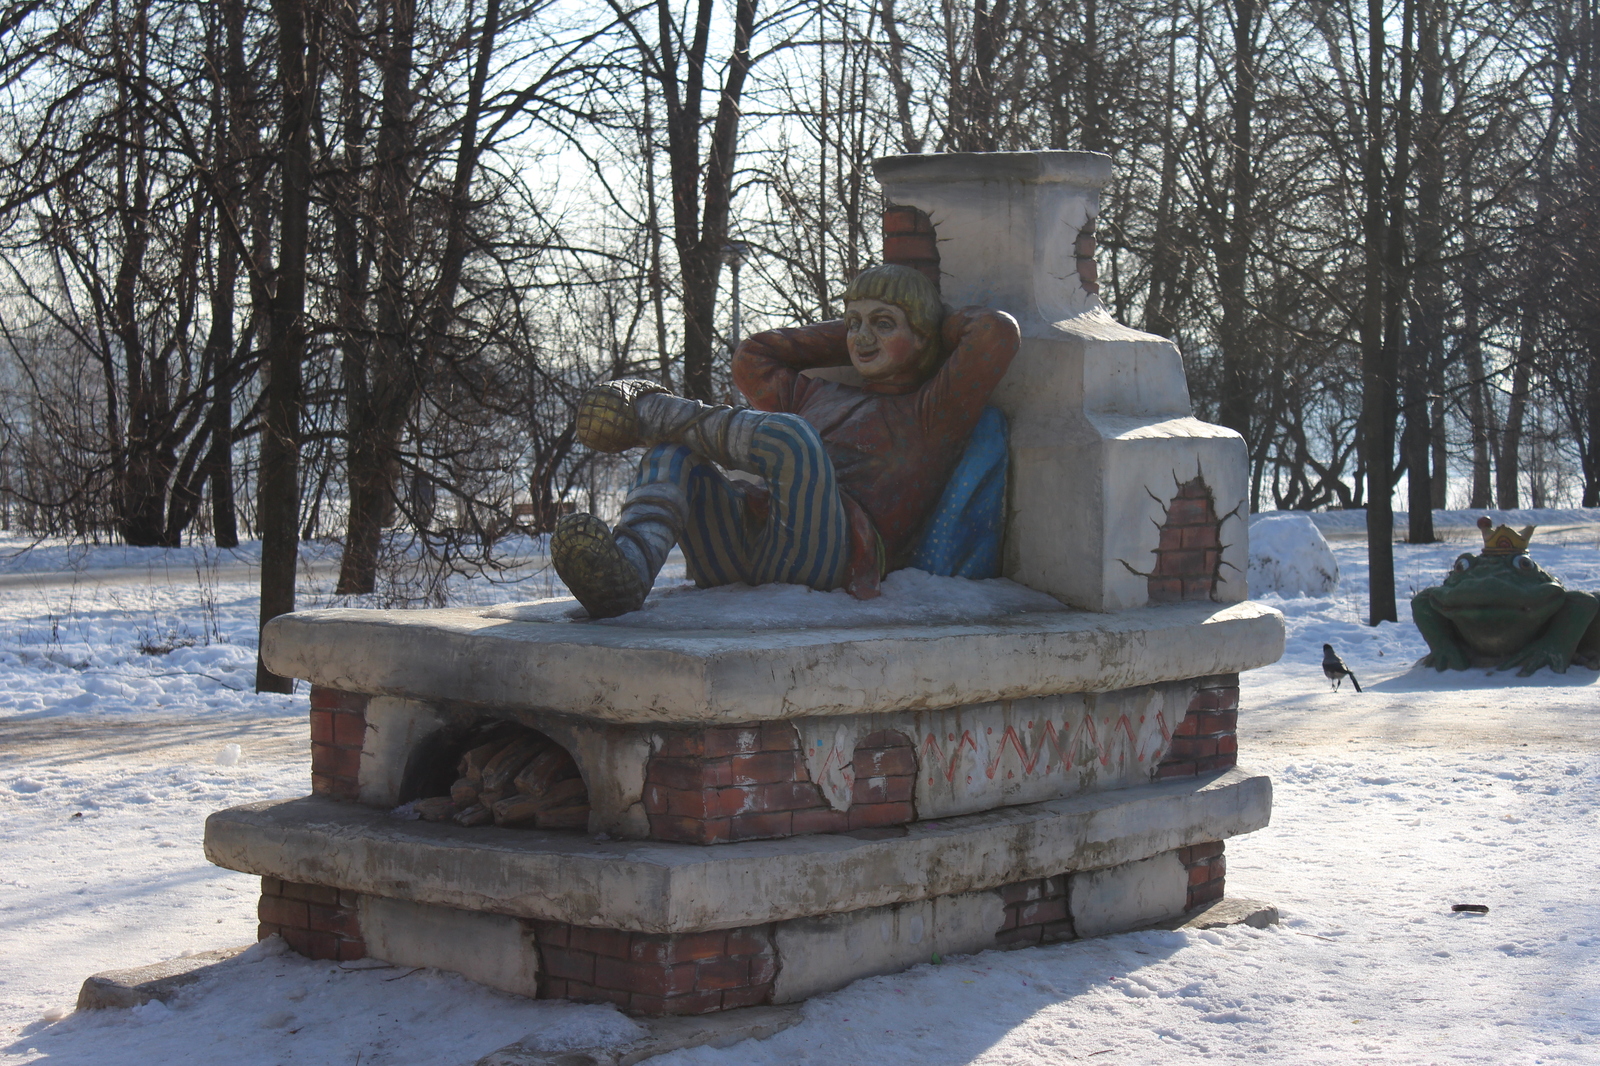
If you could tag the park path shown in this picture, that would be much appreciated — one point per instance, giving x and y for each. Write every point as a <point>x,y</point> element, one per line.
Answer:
<point>1288,708</point>
<point>64,742</point>
<point>152,575</point>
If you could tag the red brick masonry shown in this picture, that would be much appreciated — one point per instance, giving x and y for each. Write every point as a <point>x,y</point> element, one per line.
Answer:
<point>338,730</point>
<point>316,921</point>
<point>1205,741</point>
<point>745,782</point>
<point>1083,249</point>
<point>909,240</point>
<point>1189,555</point>
<point>683,973</point>
<point>1036,913</point>
<point>1207,869</point>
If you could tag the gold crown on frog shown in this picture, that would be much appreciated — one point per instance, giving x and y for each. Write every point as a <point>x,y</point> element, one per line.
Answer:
<point>1503,540</point>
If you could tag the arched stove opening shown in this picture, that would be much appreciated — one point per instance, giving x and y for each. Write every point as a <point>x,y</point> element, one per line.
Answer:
<point>498,773</point>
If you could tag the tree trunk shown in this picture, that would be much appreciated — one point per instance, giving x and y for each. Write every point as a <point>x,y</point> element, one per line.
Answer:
<point>700,232</point>
<point>1378,372</point>
<point>1508,465</point>
<point>1237,402</point>
<point>278,510</point>
<point>654,280</point>
<point>217,469</point>
<point>1428,314</point>
<point>982,111</point>
<point>909,141</point>
<point>1164,255</point>
<point>1407,353</point>
<point>1586,90</point>
<point>1478,413</point>
<point>229,110</point>
<point>351,267</point>
<point>405,364</point>
<point>381,392</point>
<point>142,492</point>
<point>1095,138</point>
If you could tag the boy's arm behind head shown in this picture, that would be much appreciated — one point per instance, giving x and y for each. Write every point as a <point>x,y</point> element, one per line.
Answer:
<point>982,342</point>
<point>766,366</point>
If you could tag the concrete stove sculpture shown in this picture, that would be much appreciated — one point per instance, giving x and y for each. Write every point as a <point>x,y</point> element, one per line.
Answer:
<point>775,813</point>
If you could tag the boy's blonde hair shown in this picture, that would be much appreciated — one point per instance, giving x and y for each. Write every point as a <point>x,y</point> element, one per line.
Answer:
<point>912,292</point>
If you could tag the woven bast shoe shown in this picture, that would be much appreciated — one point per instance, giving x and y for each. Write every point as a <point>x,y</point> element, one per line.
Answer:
<point>607,420</point>
<point>594,568</point>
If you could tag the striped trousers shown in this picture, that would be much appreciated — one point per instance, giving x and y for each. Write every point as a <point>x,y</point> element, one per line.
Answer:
<point>804,538</point>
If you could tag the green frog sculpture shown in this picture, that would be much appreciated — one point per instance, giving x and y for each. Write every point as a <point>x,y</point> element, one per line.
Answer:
<point>1499,608</point>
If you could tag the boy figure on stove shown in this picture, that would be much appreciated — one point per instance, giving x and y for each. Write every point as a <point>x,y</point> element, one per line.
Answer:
<point>849,474</point>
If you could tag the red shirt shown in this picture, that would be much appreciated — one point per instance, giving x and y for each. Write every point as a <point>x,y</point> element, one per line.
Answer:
<point>893,447</point>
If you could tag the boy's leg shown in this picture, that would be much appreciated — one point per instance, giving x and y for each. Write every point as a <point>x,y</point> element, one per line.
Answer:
<point>654,511</point>
<point>805,539</point>
<point>681,497</point>
<point>675,496</point>
<point>705,509</point>
<point>610,571</point>
<point>717,539</point>
<point>807,535</point>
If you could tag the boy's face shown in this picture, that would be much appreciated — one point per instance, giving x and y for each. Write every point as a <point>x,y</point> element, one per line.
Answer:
<point>882,345</point>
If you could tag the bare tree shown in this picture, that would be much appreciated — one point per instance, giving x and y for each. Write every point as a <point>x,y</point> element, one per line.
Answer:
<point>301,24</point>
<point>676,58</point>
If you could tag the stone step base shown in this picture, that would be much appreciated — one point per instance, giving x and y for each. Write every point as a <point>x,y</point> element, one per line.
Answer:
<point>773,963</point>
<point>664,929</point>
<point>509,956</point>
<point>685,888</point>
<point>159,981</point>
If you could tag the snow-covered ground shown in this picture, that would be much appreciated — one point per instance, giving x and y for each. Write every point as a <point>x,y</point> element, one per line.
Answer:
<point>1423,791</point>
<point>1448,524</point>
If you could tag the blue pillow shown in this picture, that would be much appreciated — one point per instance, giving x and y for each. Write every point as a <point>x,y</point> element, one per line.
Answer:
<point>962,537</point>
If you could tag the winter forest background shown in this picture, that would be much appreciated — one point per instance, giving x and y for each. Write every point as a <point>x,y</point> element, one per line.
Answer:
<point>307,269</point>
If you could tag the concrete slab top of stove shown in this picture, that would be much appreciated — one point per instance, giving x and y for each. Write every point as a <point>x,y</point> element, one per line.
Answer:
<point>670,888</point>
<point>616,674</point>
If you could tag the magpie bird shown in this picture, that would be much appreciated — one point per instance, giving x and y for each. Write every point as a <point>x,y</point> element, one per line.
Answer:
<point>1334,669</point>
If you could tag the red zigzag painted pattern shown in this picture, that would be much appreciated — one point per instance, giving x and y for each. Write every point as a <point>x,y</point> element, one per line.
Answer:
<point>933,753</point>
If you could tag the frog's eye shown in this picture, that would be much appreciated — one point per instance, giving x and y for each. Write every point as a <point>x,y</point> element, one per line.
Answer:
<point>1463,563</point>
<point>1523,564</point>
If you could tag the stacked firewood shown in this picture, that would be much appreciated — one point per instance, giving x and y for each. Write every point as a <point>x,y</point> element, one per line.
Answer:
<point>521,781</point>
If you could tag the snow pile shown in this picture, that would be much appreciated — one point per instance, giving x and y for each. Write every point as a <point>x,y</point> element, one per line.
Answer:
<point>910,597</point>
<point>1288,555</point>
